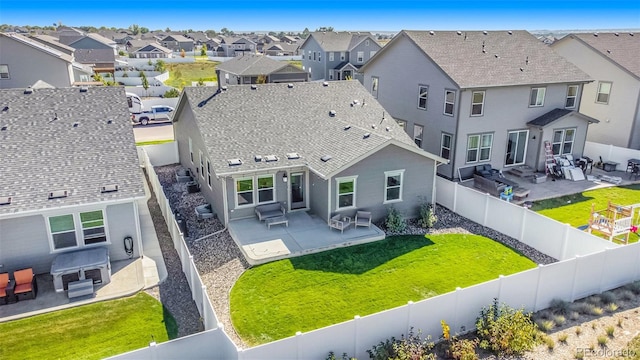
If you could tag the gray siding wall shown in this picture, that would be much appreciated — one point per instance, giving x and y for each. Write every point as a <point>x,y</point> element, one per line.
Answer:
<point>183,129</point>
<point>24,243</point>
<point>505,109</point>
<point>318,188</point>
<point>336,61</point>
<point>40,66</point>
<point>400,70</point>
<point>370,184</point>
<point>122,223</point>
<point>547,135</point>
<point>245,212</point>
<point>353,54</point>
<point>620,118</point>
<point>89,43</point>
<point>317,68</point>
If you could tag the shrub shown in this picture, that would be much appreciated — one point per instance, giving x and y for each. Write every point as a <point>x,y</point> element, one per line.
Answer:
<point>428,217</point>
<point>626,295</point>
<point>549,342</point>
<point>559,320</point>
<point>506,331</point>
<point>610,330</point>
<point>579,355</point>
<point>634,287</point>
<point>463,349</point>
<point>545,325</point>
<point>578,331</point>
<point>620,320</point>
<point>597,310</point>
<point>121,53</point>
<point>574,315</point>
<point>602,340</point>
<point>159,66</point>
<point>150,62</point>
<point>395,222</point>
<point>332,356</point>
<point>582,307</point>
<point>562,337</point>
<point>559,306</point>
<point>125,74</point>
<point>611,307</point>
<point>173,93</point>
<point>413,346</point>
<point>594,300</point>
<point>608,297</point>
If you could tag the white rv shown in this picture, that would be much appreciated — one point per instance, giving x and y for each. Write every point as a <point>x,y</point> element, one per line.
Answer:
<point>135,104</point>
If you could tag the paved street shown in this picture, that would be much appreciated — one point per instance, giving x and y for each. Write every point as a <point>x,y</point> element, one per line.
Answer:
<point>153,132</point>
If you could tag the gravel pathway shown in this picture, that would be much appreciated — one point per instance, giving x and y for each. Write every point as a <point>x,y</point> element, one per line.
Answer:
<point>220,262</point>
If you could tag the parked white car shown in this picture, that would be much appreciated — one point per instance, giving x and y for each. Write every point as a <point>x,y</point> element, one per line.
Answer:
<point>157,113</point>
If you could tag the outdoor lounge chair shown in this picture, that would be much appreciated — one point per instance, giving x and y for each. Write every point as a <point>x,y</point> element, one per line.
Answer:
<point>25,283</point>
<point>363,218</point>
<point>340,223</point>
<point>4,284</point>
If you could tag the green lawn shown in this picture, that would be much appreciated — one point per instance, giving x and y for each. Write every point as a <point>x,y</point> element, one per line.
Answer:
<point>154,142</point>
<point>575,209</point>
<point>93,331</point>
<point>296,63</point>
<point>274,300</point>
<point>182,74</point>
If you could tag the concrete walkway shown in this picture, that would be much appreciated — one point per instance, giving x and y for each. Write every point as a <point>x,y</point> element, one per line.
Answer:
<point>155,271</point>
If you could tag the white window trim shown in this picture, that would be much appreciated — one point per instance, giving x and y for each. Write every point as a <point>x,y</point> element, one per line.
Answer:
<point>526,145</point>
<point>537,89</point>
<point>386,187</point>
<point>608,94</point>
<point>201,164</point>
<point>481,103</point>
<point>257,191</point>
<point>442,144</point>
<point>190,150</point>
<point>479,148</point>
<point>360,57</point>
<point>355,191</point>
<point>209,174</point>
<point>453,104</point>
<point>331,56</point>
<point>563,140</point>
<point>425,97</point>
<point>421,138</point>
<point>574,97</point>
<point>342,56</point>
<point>402,124</point>
<point>77,224</point>
<point>235,191</point>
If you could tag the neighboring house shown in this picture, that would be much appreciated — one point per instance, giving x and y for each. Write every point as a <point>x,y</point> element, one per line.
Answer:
<point>324,152</point>
<point>337,55</point>
<point>254,69</point>
<point>476,97</point>
<point>198,37</point>
<point>152,51</point>
<point>70,175</point>
<point>233,47</point>
<point>95,41</point>
<point>45,63</point>
<point>281,49</point>
<point>67,35</point>
<point>289,39</point>
<point>100,60</point>
<point>135,44</point>
<point>53,42</point>
<point>613,60</point>
<point>177,43</point>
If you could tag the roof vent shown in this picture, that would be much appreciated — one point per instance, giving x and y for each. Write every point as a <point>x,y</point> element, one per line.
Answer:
<point>3,128</point>
<point>109,188</point>
<point>109,122</point>
<point>332,113</point>
<point>257,158</point>
<point>234,162</point>
<point>5,109</point>
<point>224,88</point>
<point>373,126</point>
<point>510,32</point>
<point>347,127</point>
<point>254,87</point>
<point>484,32</point>
<point>355,102</point>
<point>270,158</point>
<point>431,33</point>
<point>595,34</point>
<point>521,69</point>
<point>293,156</point>
<point>76,124</point>
<point>290,86</point>
<point>459,32</point>
<point>387,128</point>
<point>58,194</point>
<point>631,34</point>
<point>5,200</point>
<point>28,91</point>
<point>326,158</point>
<point>325,83</point>
<point>608,51</point>
<point>366,135</point>
<point>496,56</point>
<point>83,89</point>
<point>616,34</point>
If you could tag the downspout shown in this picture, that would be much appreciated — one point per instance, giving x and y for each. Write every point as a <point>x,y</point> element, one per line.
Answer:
<point>329,199</point>
<point>433,186</point>
<point>456,117</point>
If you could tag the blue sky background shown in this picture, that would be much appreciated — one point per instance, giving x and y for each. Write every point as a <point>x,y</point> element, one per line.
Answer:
<point>276,15</point>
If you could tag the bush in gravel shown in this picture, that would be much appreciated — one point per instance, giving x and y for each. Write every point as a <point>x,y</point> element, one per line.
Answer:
<point>594,300</point>
<point>559,320</point>
<point>545,325</point>
<point>582,307</point>
<point>395,222</point>
<point>413,346</point>
<point>634,287</point>
<point>626,295</point>
<point>611,307</point>
<point>602,340</point>
<point>562,337</point>
<point>463,349</point>
<point>344,356</point>
<point>550,343</point>
<point>578,331</point>
<point>505,330</point>
<point>428,217</point>
<point>608,297</point>
<point>574,315</point>
<point>610,330</point>
<point>559,306</point>
<point>597,310</point>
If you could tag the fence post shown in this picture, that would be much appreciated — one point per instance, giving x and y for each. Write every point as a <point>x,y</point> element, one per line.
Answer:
<point>355,335</point>
<point>298,346</point>
<point>573,282</point>
<point>486,209</point>
<point>637,247</point>
<point>501,284</point>
<point>565,242</point>
<point>193,293</point>
<point>205,319</point>
<point>455,197</point>
<point>605,254</point>
<point>409,306</point>
<point>535,303</point>
<point>455,309</point>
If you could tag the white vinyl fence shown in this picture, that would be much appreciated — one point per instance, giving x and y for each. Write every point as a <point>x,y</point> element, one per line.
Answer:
<point>588,265</point>
<point>610,153</point>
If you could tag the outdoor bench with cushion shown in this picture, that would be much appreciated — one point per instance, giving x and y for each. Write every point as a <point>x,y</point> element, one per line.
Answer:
<point>488,185</point>
<point>486,170</point>
<point>269,210</point>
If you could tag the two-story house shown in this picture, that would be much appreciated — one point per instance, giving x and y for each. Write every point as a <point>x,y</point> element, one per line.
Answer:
<point>613,60</point>
<point>478,97</point>
<point>234,46</point>
<point>177,43</point>
<point>337,55</point>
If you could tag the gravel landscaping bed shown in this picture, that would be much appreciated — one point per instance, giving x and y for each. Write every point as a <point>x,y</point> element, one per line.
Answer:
<point>220,263</point>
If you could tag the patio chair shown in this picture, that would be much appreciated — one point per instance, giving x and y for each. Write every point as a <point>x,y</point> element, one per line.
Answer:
<point>363,218</point>
<point>337,222</point>
<point>25,283</point>
<point>507,194</point>
<point>4,284</point>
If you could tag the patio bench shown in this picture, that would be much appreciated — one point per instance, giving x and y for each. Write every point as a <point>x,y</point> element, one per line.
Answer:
<point>80,288</point>
<point>269,210</point>
<point>276,220</point>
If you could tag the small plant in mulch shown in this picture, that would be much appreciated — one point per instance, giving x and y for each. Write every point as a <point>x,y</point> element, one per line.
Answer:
<point>457,348</point>
<point>582,307</point>
<point>559,320</point>
<point>594,325</point>
<point>608,297</point>
<point>634,287</point>
<point>594,300</point>
<point>602,340</point>
<point>611,307</point>
<point>550,343</point>
<point>610,330</point>
<point>597,311</point>
<point>574,315</point>
<point>506,331</point>
<point>626,295</point>
<point>427,218</point>
<point>620,322</point>
<point>559,306</point>
<point>562,337</point>
<point>578,331</point>
<point>545,325</point>
<point>579,355</point>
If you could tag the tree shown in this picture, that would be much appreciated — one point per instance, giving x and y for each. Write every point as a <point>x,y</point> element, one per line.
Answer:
<point>325,28</point>
<point>211,33</point>
<point>167,29</point>
<point>160,66</point>
<point>305,33</point>
<point>203,50</point>
<point>144,30</point>
<point>226,32</point>
<point>145,82</point>
<point>135,29</point>
<point>183,53</point>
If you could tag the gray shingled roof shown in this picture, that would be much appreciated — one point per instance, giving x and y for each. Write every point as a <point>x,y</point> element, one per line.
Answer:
<point>39,46</point>
<point>153,46</point>
<point>242,122</point>
<point>86,56</point>
<point>53,42</point>
<point>178,38</point>
<point>622,48</point>
<point>40,154</point>
<point>557,114</point>
<point>509,58</point>
<point>338,41</point>
<point>251,64</point>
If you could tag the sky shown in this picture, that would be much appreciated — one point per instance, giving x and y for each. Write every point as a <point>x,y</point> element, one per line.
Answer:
<point>372,15</point>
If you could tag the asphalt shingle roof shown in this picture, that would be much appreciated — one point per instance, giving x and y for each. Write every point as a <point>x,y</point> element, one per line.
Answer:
<point>242,122</point>
<point>250,64</point>
<point>338,41</point>
<point>476,59</point>
<point>557,114</point>
<point>86,56</point>
<point>622,48</point>
<point>41,154</point>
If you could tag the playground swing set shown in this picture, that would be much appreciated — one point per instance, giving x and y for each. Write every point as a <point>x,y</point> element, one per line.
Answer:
<point>615,222</point>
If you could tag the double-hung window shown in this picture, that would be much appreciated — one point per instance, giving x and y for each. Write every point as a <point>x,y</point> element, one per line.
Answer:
<point>374,86</point>
<point>604,90</point>
<point>537,97</point>
<point>418,130</point>
<point>63,232</point>
<point>572,94</point>
<point>423,92</point>
<point>201,165</point>
<point>331,55</point>
<point>477,103</point>
<point>360,57</point>
<point>209,173</point>
<point>244,191</point>
<point>265,189</point>
<point>93,227</point>
<point>563,141</point>
<point>393,186</point>
<point>346,192</point>
<point>449,102</point>
<point>479,147</point>
<point>445,146</point>
<point>342,55</point>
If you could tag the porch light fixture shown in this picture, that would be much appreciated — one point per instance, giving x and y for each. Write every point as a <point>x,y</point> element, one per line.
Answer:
<point>285,178</point>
